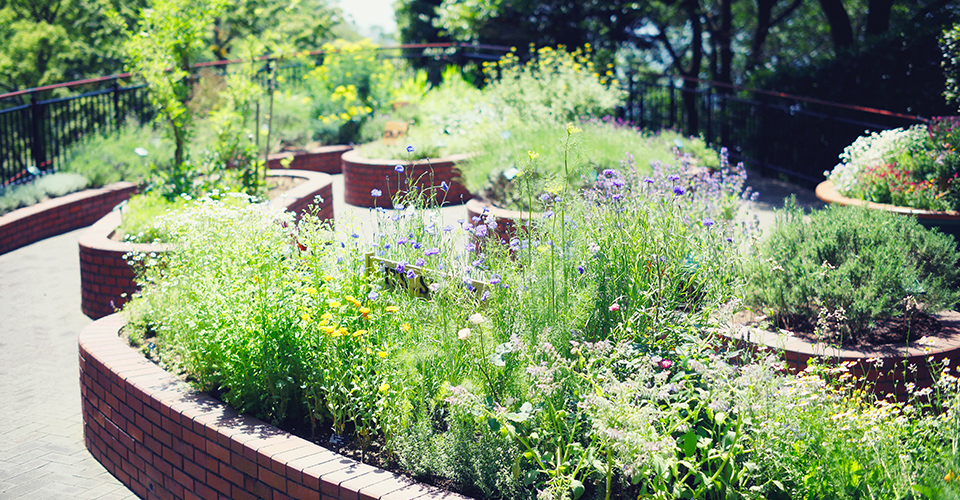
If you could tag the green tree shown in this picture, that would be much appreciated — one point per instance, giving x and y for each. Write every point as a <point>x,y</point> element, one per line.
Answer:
<point>170,37</point>
<point>303,24</point>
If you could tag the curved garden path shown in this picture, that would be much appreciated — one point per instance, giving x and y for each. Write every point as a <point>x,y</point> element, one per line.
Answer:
<point>42,453</point>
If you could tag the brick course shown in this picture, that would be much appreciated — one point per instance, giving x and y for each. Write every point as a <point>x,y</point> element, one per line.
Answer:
<point>362,175</point>
<point>324,159</point>
<point>60,215</point>
<point>890,378</point>
<point>107,281</point>
<point>164,440</point>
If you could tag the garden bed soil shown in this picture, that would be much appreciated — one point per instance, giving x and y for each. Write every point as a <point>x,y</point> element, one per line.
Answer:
<point>886,332</point>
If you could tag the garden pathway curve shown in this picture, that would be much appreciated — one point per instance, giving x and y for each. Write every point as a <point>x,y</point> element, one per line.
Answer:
<point>42,454</point>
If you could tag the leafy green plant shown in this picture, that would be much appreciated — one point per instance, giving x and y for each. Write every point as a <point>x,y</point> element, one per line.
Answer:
<point>858,265</point>
<point>126,155</point>
<point>48,186</point>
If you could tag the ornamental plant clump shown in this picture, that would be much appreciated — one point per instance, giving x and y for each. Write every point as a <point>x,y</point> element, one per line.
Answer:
<point>848,268</point>
<point>916,167</point>
<point>576,360</point>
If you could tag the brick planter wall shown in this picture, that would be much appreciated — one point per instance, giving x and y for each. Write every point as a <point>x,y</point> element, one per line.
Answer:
<point>324,159</point>
<point>507,220</point>
<point>107,281</point>
<point>362,175</point>
<point>59,215</point>
<point>164,440</point>
<point>891,377</point>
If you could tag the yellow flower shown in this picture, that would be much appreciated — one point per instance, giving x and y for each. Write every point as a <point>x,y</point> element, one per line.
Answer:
<point>310,290</point>
<point>327,316</point>
<point>573,129</point>
<point>384,387</point>
<point>351,299</point>
<point>334,304</point>
<point>382,354</point>
<point>305,317</point>
<point>405,327</point>
<point>391,309</point>
<point>533,154</point>
<point>341,332</point>
<point>327,329</point>
<point>359,333</point>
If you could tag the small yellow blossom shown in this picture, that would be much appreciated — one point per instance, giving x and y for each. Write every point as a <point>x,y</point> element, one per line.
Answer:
<point>391,309</point>
<point>405,327</point>
<point>305,317</point>
<point>351,299</point>
<point>334,304</point>
<point>359,333</point>
<point>328,329</point>
<point>327,316</point>
<point>384,387</point>
<point>382,354</point>
<point>533,154</point>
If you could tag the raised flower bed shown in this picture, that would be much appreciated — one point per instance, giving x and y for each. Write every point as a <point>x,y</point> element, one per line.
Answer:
<point>59,215</point>
<point>364,176</point>
<point>324,159</point>
<point>107,280</point>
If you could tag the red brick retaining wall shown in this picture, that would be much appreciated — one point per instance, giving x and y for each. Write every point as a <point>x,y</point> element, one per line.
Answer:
<point>362,175</point>
<point>164,440</point>
<point>59,215</point>
<point>107,281</point>
<point>891,375</point>
<point>324,159</point>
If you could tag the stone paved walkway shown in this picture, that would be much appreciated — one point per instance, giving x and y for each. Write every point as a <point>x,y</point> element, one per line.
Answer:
<point>42,454</point>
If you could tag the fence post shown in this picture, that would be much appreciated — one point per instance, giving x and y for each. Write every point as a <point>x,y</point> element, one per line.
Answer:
<point>117,118</point>
<point>37,146</point>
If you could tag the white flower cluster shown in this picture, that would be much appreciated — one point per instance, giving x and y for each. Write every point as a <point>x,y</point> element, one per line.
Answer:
<point>871,150</point>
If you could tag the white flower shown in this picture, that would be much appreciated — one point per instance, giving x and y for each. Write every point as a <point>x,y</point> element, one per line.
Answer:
<point>463,334</point>
<point>476,318</point>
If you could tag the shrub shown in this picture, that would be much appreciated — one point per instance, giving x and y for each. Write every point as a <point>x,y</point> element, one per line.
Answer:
<point>48,186</point>
<point>122,156</point>
<point>854,264</point>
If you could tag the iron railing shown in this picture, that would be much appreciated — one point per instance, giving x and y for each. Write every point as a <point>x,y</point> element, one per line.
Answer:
<point>37,130</point>
<point>773,133</point>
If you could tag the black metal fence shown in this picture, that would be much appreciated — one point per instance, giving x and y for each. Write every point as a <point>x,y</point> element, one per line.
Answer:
<point>775,134</point>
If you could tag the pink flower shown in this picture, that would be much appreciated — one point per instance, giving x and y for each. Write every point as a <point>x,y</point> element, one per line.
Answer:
<point>665,364</point>
<point>614,307</point>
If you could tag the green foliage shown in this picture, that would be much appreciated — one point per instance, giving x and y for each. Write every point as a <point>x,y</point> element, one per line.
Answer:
<point>555,85</point>
<point>351,85</point>
<point>108,158</point>
<point>170,36</point>
<point>139,216</point>
<point>849,267</point>
<point>950,45</point>
<point>48,186</point>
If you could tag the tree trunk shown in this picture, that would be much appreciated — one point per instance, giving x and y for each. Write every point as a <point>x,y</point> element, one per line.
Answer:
<point>878,16</point>
<point>840,29</point>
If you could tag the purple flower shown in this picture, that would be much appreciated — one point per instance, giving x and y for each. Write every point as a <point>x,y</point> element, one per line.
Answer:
<point>485,296</point>
<point>411,274</point>
<point>373,296</point>
<point>707,222</point>
<point>470,247</point>
<point>399,169</point>
<point>648,180</point>
<point>673,177</point>
<point>409,149</point>
<point>580,269</point>
<point>677,190</point>
<point>431,251</point>
<point>495,279</point>
<point>544,197</point>
<point>376,193</point>
<point>447,228</point>
<point>481,231</point>
<point>444,186</point>
<point>609,172</point>
<point>401,266</point>
<point>354,235</point>
<point>548,214</point>
<point>416,245</point>
<point>402,241</point>
<point>419,262</point>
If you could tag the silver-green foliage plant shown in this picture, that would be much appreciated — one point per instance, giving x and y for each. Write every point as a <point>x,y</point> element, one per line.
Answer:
<point>48,186</point>
<point>857,265</point>
<point>126,155</point>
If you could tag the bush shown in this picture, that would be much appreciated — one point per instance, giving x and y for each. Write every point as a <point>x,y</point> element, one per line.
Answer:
<point>48,186</point>
<point>108,158</point>
<point>854,265</point>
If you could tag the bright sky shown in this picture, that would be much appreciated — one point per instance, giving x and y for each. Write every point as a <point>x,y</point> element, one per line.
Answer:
<point>368,13</point>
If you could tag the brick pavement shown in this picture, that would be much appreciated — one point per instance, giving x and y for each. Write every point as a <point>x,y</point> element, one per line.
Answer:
<point>42,454</point>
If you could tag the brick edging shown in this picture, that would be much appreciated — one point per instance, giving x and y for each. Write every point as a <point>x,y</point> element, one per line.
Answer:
<point>324,159</point>
<point>361,175</point>
<point>59,215</point>
<point>891,377</point>
<point>163,439</point>
<point>107,281</point>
